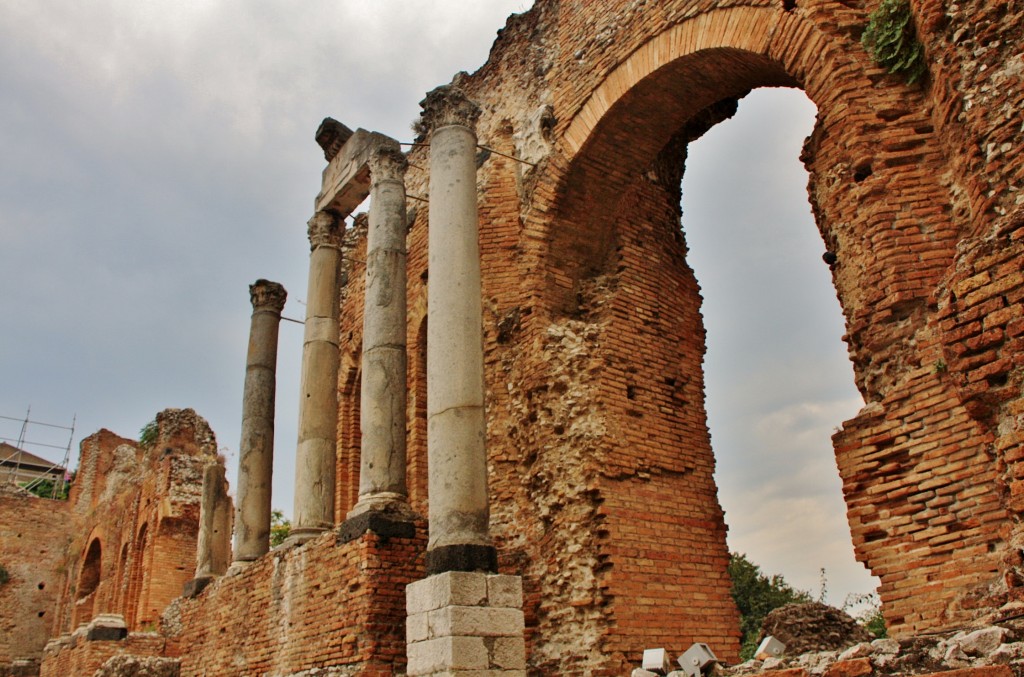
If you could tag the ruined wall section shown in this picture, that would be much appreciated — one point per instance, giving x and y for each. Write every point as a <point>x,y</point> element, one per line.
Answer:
<point>34,533</point>
<point>326,603</point>
<point>981,318</point>
<point>136,507</point>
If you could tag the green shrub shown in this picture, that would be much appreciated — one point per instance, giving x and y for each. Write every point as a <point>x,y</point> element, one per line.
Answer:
<point>891,40</point>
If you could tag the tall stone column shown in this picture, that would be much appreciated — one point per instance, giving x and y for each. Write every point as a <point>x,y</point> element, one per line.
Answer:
<point>457,459</point>
<point>318,408</point>
<point>382,483</point>
<point>256,450</point>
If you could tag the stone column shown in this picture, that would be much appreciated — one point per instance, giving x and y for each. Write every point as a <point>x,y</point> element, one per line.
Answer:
<point>318,407</point>
<point>256,450</point>
<point>382,484</point>
<point>459,535</point>
<point>213,549</point>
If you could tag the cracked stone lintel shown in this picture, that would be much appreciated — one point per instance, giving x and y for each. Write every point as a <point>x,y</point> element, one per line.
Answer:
<point>346,179</point>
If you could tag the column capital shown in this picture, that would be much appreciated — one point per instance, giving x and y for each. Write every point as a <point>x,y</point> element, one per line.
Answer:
<point>446,105</point>
<point>267,295</point>
<point>387,163</point>
<point>324,230</point>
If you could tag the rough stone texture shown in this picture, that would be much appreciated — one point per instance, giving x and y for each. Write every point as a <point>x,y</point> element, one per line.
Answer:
<point>814,626</point>
<point>963,654</point>
<point>135,666</point>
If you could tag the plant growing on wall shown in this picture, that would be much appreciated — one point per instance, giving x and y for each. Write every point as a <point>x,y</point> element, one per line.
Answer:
<point>4,575</point>
<point>148,433</point>
<point>891,40</point>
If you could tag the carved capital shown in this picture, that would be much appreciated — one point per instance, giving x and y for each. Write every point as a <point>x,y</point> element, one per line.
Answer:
<point>267,295</point>
<point>325,230</point>
<point>331,135</point>
<point>447,105</point>
<point>387,163</point>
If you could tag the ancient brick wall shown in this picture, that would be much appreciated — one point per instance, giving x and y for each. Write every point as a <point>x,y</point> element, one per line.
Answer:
<point>77,655</point>
<point>130,545</point>
<point>328,603</point>
<point>601,466</point>
<point>33,537</point>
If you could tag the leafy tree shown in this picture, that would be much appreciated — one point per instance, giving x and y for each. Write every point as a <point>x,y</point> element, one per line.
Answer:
<point>280,527</point>
<point>755,595</point>
<point>44,489</point>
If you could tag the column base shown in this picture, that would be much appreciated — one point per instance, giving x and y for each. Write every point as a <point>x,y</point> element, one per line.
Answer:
<point>384,524</point>
<point>462,557</point>
<point>465,623</point>
<point>301,535</point>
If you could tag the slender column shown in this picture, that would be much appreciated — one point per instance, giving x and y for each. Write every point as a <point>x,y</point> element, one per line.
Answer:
<point>318,408</point>
<point>459,514</point>
<point>382,485</point>
<point>256,450</point>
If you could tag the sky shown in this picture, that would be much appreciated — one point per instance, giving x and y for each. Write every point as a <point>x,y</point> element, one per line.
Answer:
<point>156,158</point>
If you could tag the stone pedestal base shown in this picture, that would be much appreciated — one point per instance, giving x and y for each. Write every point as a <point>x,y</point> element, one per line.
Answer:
<point>465,623</point>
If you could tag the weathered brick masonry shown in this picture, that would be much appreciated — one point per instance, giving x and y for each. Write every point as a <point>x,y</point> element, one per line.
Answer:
<point>34,533</point>
<point>600,462</point>
<point>601,465</point>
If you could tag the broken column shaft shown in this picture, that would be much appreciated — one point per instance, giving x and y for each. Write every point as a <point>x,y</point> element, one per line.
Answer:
<point>382,482</point>
<point>213,549</point>
<point>256,450</point>
<point>458,514</point>
<point>318,407</point>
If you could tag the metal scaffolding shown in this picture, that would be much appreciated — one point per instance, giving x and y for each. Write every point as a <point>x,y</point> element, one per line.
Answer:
<point>13,457</point>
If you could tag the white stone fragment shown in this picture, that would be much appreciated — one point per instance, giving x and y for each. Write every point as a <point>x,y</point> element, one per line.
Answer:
<point>886,647</point>
<point>1008,653</point>
<point>982,642</point>
<point>861,650</point>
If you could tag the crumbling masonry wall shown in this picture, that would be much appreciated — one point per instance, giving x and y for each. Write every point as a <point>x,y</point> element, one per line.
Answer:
<point>130,543</point>
<point>601,469</point>
<point>599,455</point>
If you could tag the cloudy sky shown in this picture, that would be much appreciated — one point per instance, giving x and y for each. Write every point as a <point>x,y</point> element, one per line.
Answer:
<point>158,157</point>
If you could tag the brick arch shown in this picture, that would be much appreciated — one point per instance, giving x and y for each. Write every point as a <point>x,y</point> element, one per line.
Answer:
<point>880,203</point>
<point>90,577</point>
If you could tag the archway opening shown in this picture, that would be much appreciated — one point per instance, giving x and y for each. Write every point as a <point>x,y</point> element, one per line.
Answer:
<point>778,380</point>
<point>89,579</point>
